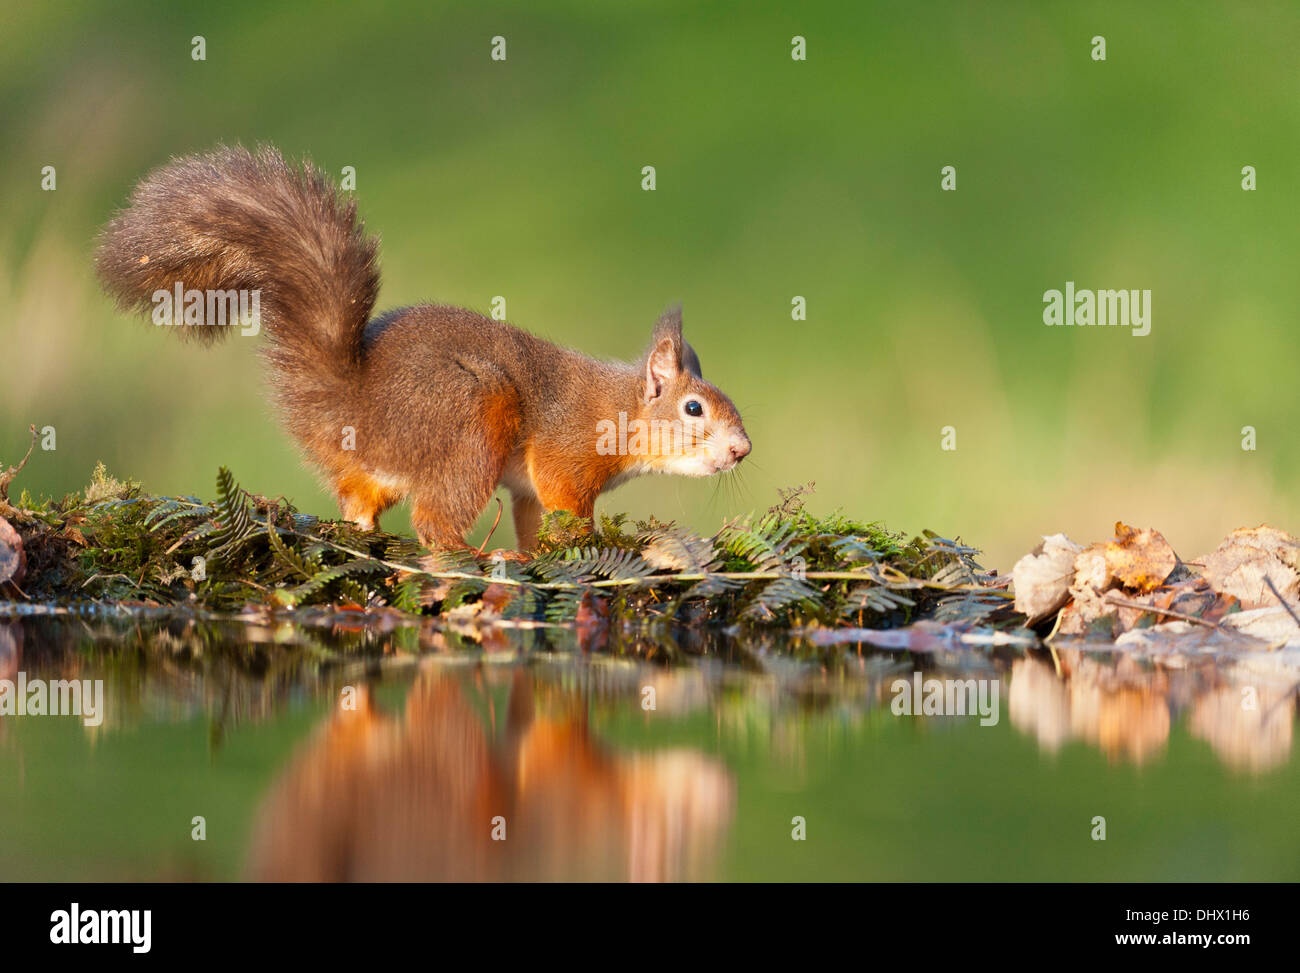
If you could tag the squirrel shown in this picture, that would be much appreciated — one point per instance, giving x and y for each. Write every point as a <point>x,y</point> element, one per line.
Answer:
<point>423,787</point>
<point>432,402</point>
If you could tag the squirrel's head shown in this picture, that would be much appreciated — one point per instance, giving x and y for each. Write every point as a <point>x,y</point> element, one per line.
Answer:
<point>693,429</point>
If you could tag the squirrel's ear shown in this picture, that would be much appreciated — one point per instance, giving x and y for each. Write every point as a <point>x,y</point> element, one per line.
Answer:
<point>669,326</point>
<point>664,363</point>
<point>691,361</point>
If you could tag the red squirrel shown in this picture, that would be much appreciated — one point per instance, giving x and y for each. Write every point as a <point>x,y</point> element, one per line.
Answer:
<point>432,402</point>
<point>419,796</point>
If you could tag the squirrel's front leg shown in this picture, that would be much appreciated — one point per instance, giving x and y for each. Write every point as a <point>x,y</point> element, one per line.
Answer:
<point>562,488</point>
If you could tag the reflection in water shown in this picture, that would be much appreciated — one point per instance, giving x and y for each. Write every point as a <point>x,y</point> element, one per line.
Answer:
<point>1124,703</point>
<point>1123,719</point>
<point>531,726</point>
<point>11,644</point>
<point>1125,706</point>
<point>11,650</point>
<point>378,798</point>
<point>1249,737</point>
<point>1121,702</point>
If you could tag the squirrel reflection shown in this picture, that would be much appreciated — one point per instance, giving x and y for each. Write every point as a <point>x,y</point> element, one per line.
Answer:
<point>418,798</point>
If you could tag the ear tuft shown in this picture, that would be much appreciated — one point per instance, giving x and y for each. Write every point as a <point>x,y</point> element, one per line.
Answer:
<point>664,360</point>
<point>691,361</point>
<point>669,326</point>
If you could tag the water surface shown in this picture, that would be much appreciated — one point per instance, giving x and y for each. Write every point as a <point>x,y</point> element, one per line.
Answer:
<point>355,749</point>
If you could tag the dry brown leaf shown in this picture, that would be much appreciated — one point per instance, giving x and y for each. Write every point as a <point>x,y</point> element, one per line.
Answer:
<point>1274,624</point>
<point>13,561</point>
<point>1277,542</point>
<point>1091,571</point>
<point>1042,578</point>
<point>1175,638</point>
<point>1248,559</point>
<point>1089,614</point>
<point>1140,559</point>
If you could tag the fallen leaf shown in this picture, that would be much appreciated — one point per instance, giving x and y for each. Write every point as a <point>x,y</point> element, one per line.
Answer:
<point>13,561</point>
<point>1175,637</point>
<point>1248,559</point>
<point>1274,625</point>
<point>1277,542</point>
<point>1091,571</point>
<point>11,648</point>
<point>1088,613</point>
<point>1042,578</point>
<point>1141,559</point>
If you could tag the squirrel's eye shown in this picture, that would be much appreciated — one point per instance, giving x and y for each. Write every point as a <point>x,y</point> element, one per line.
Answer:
<point>694,409</point>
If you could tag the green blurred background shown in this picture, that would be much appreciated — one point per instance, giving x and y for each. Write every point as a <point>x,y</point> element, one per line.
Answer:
<point>776,178</point>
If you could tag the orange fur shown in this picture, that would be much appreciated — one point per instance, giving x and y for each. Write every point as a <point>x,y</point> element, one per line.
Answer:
<point>420,796</point>
<point>362,498</point>
<point>570,482</point>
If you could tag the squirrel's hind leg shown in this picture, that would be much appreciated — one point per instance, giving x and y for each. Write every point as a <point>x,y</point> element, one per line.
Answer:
<point>362,498</point>
<point>435,528</point>
<point>450,495</point>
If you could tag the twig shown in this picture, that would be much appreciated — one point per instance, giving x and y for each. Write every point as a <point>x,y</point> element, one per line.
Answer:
<point>7,509</point>
<point>647,580</point>
<point>483,547</point>
<point>1278,595</point>
<point>1125,603</point>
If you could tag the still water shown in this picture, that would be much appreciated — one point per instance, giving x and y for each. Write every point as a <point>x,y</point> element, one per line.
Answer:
<point>352,749</point>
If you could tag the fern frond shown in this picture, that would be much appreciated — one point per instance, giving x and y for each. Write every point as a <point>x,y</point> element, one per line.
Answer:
<point>854,550</point>
<point>710,586</point>
<point>956,573</point>
<point>768,545</point>
<point>291,559</point>
<point>461,591</point>
<point>873,598</point>
<point>781,594</point>
<point>234,514</point>
<point>525,604</point>
<point>678,549</point>
<point>180,514</point>
<point>401,547</point>
<point>970,607</point>
<point>562,607</point>
<point>200,531</point>
<point>406,593</point>
<point>323,577</point>
<point>580,564</point>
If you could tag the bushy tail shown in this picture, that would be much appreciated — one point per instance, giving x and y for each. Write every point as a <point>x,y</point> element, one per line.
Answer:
<point>234,220</point>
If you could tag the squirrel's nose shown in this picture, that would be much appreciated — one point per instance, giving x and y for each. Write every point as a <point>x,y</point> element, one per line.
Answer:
<point>740,449</point>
